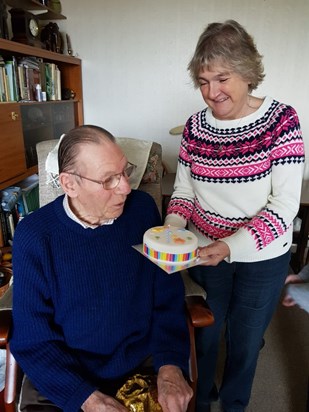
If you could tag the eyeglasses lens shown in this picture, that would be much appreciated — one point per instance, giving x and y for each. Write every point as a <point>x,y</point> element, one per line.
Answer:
<point>113,181</point>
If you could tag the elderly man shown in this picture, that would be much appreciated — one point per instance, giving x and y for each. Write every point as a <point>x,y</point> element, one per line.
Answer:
<point>89,311</point>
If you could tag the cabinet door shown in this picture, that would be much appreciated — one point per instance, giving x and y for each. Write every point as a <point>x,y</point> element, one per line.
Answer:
<point>44,121</point>
<point>12,158</point>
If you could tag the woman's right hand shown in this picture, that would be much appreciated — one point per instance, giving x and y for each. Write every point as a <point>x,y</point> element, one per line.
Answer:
<point>99,402</point>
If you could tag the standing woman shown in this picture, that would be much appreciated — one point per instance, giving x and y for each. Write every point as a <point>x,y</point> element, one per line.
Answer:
<point>238,188</point>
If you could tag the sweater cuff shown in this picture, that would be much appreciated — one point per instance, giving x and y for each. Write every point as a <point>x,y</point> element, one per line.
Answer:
<point>172,359</point>
<point>240,245</point>
<point>175,220</point>
<point>75,402</point>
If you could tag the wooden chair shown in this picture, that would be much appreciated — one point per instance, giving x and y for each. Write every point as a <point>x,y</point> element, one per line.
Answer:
<point>11,365</point>
<point>199,314</point>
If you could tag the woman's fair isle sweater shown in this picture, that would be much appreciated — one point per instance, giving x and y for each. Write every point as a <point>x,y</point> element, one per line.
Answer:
<point>87,306</point>
<point>240,180</point>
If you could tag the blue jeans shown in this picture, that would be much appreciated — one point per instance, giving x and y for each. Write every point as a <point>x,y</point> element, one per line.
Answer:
<point>243,296</point>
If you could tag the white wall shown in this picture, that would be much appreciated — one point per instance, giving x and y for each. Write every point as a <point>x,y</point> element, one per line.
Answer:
<point>135,55</point>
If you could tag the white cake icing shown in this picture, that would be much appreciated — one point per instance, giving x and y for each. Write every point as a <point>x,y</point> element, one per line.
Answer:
<point>170,244</point>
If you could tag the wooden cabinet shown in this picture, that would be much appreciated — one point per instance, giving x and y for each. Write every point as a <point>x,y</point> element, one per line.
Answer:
<point>12,157</point>
<point>47,13</point>
<point>44,122</point>
<point>22,125</point>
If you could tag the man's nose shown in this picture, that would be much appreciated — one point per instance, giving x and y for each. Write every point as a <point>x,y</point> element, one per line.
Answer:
<point>124,185</point>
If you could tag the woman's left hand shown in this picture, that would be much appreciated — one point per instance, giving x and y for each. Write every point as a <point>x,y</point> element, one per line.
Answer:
<point>287,300</point>
<point>214,253</point>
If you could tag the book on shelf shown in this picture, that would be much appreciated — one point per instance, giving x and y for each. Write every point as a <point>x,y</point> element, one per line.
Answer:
<point>29,72</point>
<point>15,203</point>
<point>3,229</point>
<point>24,84</point>
<point>42,74</point>
<point>16,78</point>
<point>11,81</point>
<point>58,83</point>
<point>50,69</point>
<point>9,213</point>
<point>19,77</point>
<point>7,228</point>
<point>3,86</point>
<point>3,81</point>
<point>9,197</point>
<point>29,200</point>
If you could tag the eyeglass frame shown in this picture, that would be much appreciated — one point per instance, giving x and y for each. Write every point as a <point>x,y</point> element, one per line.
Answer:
<point>117,175</point>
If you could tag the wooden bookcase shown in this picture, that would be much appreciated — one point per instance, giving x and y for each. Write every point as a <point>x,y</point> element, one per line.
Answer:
<point>13,162</point>
<point>46,13</point>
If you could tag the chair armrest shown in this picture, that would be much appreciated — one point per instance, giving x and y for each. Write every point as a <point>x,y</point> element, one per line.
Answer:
<point>5,324</point>
<point>199,312</point>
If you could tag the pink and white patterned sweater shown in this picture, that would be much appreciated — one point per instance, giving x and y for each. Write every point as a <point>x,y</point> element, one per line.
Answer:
<point>240,180</point>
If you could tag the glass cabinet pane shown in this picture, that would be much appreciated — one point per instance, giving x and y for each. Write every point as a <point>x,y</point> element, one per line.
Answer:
<point>44,121</point>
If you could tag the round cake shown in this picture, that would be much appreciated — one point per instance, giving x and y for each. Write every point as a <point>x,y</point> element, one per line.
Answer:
<point>170,244</point>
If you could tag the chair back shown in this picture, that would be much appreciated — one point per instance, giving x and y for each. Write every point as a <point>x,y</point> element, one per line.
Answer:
<point>151,178</point>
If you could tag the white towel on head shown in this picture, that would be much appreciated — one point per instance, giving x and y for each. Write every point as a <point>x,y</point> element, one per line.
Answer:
<point>51,166</point>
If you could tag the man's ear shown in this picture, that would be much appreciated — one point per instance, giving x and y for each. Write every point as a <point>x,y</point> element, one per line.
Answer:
<point>68,184</point>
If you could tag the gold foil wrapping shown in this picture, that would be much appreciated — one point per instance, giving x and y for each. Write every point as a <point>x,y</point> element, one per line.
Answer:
<point>139,394</point>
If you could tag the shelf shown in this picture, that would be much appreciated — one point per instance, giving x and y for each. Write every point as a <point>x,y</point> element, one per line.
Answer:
<point>49,14</point>
<point>48,102</point>
<point>10,182</point>
<point>24,49</point>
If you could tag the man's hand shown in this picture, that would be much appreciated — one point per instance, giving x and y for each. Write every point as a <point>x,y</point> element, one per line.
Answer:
<point>174,392</point>
<point>287,300</point>
<point>98,402</point>
<point>214,253</point>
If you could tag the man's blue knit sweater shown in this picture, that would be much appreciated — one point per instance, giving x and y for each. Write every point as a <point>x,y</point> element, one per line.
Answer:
<point>87,306</point>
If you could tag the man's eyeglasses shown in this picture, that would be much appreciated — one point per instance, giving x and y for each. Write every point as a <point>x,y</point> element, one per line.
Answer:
<point>112,181</point>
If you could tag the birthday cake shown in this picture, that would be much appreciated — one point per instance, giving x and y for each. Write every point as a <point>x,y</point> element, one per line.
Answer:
<point>169,244</point>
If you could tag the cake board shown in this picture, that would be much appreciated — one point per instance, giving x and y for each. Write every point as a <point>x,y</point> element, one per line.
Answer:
<point>170,267</point>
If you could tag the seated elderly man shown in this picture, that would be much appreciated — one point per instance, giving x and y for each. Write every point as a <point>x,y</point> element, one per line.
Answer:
<point>89,311</point>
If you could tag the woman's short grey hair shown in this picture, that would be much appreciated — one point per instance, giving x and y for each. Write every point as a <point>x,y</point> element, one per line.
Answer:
<point>229,45</point>
<point>69,147</point>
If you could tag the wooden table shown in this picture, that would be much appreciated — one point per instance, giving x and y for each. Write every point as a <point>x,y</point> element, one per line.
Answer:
<point>299,258</point>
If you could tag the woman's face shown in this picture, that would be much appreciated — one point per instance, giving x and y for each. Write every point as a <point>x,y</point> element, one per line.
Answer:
<point>225,92</point>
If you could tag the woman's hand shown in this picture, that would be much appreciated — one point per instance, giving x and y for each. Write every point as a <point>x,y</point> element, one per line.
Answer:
<point>174,392</point>
<point>287,300</point>
<point>98,402</point>
<point>214,253</point>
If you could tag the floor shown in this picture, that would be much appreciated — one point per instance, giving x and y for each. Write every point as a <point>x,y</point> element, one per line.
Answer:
<point>281,380</point>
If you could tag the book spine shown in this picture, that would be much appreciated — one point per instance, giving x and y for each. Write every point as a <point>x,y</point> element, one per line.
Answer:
<point>16,79</point>
<point>58,83</point>
<point>42,75</point>
<point>35,82</point>
<point>2,240</point>
<point>10,79</point>
<point>4,227</point>
<point>10,225</point>
<point>2,86</point>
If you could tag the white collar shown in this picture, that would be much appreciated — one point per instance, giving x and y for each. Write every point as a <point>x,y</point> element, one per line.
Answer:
<point>72,216</point>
